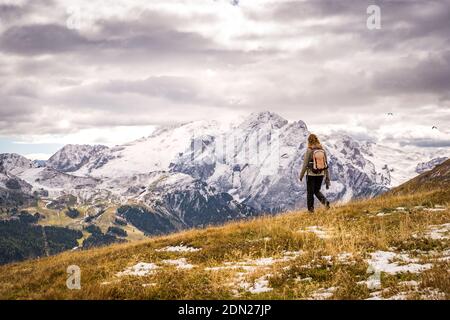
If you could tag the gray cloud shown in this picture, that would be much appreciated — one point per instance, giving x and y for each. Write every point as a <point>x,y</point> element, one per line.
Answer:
<point>41,39</point>
<point>9,12</point>
<point>426,143</point>
<point>172,88</point>
<point>310,60</point>
<point>15,13</point>
<point>429,75</point>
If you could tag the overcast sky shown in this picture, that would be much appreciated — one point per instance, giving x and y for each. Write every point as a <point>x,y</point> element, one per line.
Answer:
<point>97,71</point>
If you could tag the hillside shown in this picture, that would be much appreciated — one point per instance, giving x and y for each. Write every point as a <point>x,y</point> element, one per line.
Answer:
<point>390,247</point>
<point>437,178</point>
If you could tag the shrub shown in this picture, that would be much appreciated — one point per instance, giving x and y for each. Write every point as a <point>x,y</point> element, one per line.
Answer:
<point>120,222</point>
<point>25,217</point>
<point>93,229</point>
<point>99,240</point>
<point>117,231</point>
<point>72,213</point>
<point>12,184</point>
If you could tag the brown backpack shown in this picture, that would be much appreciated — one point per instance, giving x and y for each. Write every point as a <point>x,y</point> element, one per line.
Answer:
<point>319,161</point>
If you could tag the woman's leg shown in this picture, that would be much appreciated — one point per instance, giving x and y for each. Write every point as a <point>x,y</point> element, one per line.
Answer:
<point>310,193</point>
<point>318,194</point>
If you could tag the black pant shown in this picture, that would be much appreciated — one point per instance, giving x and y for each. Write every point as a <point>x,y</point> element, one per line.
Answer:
<point>313,184</point>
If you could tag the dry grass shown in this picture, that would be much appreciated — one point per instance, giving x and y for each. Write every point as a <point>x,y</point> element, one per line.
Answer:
<point>356,229</point>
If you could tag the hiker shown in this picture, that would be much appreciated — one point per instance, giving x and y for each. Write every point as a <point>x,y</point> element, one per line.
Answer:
<point>315,165</point>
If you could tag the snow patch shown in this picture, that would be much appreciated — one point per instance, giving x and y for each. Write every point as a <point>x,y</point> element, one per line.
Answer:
<point>259,286</point>
<point>141,269</point>
<point>424,293</point>
<point>180,248</point>
<point>436,232</point>
<point>411,283</point>
<point>435,209</point>
<point>300,279</point>
<point>250,265</point>
<point>179,263</point>
<point>439,232</point>
<point>383,261</point>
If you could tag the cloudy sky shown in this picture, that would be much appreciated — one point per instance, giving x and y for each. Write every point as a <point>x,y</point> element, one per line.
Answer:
<point>98,71</point>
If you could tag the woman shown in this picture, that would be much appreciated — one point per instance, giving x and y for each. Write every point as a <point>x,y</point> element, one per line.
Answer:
<point>315,165</point>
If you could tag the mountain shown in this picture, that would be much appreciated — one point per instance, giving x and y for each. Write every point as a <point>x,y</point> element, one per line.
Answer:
<point>399,165</point>
<point>149,154</point>
<point>425,166</point>
<point>39,163</point>
<point>14,192</point>
<point>176,201</point>
<point>52,181</point>
<point>389,247</point>
<point>72,157</point>
<point>14,164</point>
<point>256,161</point>
<point>193,175</point>
<point>437,178</point>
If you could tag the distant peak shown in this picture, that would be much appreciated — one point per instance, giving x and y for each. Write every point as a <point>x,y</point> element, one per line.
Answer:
<point>300,124</point>
<point>263,117</point>
<point>11,155</point>
<point>77,146</point>
<point>266,115</point>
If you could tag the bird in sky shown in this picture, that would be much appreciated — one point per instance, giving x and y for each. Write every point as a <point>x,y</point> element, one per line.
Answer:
<point>390,114</point>
<point>434,127</point>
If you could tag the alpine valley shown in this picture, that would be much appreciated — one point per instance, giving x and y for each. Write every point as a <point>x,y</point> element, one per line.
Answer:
<point>184,176</point>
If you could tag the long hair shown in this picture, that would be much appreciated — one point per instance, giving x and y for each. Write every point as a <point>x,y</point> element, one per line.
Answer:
<point>313,141</point>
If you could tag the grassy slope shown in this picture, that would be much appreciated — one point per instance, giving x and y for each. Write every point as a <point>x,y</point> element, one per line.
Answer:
<point>356,229</point>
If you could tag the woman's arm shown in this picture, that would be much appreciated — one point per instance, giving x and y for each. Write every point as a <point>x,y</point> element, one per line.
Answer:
<point>305,163</point>
<point>327,173</point>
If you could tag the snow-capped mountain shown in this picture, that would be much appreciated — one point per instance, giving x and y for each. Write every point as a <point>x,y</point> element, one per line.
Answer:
<point>53,182</point>
<point>14,164</point>
<point>437,178</point>
<point>429,165</point>
<point>153,153</point>
<point>14,191</point>
<point>400,164</point>
<point>204,172</point>
<point>73,157</point>
<point>259,161</point>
